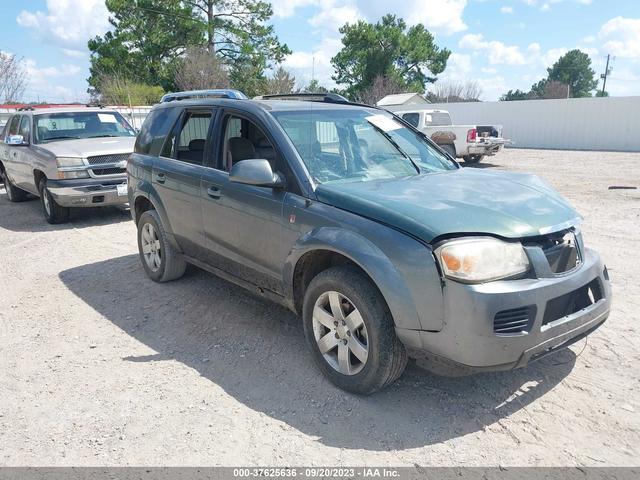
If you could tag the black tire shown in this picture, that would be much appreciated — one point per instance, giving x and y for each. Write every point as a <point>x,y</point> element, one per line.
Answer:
<point>14,194</point>
<point>387,356</point>
<point>53,213</point>
<point>450,149</point>
<point>172,265</point>
<point>472,159</point>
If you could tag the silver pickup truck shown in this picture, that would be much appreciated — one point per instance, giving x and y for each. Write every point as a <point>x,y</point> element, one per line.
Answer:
<point>67,157</point>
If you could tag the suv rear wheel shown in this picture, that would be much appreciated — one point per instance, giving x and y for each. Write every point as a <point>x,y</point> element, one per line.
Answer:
<point>160,260</point>
<point>53,212</point>
<point>14,194</point>
<point>350,331</point>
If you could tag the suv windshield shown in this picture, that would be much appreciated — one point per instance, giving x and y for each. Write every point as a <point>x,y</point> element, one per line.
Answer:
<point>358,145</point>
<point>71,125</point>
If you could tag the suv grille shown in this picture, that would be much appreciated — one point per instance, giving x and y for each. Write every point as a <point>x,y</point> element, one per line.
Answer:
<point>514,320</point>
<point>561,250</point>
<point>109,162</point>
<point>573,302</point>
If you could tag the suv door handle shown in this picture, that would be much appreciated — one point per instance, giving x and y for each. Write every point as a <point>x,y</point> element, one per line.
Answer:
<point>161,177</point>
<point>214,192</point>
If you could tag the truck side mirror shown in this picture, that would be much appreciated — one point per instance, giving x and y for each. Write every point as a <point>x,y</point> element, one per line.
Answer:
<point>16,140</point>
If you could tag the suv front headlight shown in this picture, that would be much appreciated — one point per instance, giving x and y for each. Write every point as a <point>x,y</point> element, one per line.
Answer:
<point>482,259</point>
<point>63,162</point>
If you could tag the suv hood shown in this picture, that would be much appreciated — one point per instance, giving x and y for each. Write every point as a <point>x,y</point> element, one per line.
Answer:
<point>427,206</point>
<point>88,147</point>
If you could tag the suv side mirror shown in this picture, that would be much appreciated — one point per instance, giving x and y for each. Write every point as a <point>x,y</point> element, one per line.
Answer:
<point>255,172</point>
<point>16,140</point>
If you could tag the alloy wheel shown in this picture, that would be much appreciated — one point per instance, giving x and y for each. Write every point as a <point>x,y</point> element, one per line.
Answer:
<point>340,333</point>
<point>151,247</point>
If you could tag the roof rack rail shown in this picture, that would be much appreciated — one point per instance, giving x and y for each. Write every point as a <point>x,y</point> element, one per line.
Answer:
<point>306,97</point>
<point>214,93</point>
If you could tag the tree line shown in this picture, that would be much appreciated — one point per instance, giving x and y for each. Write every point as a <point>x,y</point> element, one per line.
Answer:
<point>157,46</point>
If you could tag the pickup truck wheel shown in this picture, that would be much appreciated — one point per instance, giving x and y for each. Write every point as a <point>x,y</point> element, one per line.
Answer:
<point>14,194</point>
<point>350,331</point>
<point>450,149</point>
<point>53,212</point>
<point>471,159</point>
<point>160,260</point>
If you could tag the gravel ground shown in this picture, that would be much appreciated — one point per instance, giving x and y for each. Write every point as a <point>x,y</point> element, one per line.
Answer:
<point>101,366</point>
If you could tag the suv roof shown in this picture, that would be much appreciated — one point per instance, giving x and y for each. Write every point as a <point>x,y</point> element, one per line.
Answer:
<point>264,104</point>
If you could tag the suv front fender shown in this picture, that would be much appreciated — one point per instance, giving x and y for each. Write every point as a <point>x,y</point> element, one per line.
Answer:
<point>405,280</point>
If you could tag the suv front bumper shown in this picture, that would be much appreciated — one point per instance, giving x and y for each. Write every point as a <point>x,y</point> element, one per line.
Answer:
<point>468,338</point>
<point>87,192</point>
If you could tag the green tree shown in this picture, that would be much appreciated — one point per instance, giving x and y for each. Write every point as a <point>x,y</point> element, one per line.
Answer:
<point>280,82</point>
<point>247,75</point>
<point>602,93</point>
<point>148,37</point>
<point>314,87</point>
<point>574,69</point>
<point>513,95</point>
<point>236,28</point>
<point>387,49</point>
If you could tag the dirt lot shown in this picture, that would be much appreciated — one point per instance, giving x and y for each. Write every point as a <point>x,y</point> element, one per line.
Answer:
<point>100,366</point>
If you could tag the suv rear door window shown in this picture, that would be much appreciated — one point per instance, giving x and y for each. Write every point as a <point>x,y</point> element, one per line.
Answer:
<point>188,145</point>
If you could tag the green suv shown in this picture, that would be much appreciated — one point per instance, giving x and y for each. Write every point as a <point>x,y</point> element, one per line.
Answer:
<point>355,220</point>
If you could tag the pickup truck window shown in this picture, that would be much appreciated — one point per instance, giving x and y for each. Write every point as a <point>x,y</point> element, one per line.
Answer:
<point>437,119</point>
<point>73,125</point>
<point>412,118</point>
<point>14,125</point>
<point>25,128</point>
<point>367,145</point>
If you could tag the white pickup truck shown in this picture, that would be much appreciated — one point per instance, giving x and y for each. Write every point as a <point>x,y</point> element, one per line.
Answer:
<point>469,142</point>
<point>69,157</point>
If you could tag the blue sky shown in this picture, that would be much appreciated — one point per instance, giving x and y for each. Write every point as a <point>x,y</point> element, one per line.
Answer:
<point>500,44</point>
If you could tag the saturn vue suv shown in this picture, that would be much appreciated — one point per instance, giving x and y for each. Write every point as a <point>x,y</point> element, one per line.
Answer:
<point>359,223</point>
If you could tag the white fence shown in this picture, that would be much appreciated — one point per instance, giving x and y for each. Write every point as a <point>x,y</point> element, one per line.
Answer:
<point>574,124</point>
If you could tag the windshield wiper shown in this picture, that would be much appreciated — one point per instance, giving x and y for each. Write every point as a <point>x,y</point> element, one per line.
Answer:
<point>395,144</point>
<point>103,136</point>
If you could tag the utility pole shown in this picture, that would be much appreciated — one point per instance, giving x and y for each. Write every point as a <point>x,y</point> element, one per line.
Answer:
<point>604,76</point>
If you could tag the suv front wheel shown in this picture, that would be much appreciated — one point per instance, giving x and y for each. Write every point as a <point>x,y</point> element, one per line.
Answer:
<point>160,260</point>
<point>350,331</point>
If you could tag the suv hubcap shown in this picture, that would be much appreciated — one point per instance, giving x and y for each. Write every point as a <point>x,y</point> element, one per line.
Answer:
<point>340,333</point>
<point>151,247</point>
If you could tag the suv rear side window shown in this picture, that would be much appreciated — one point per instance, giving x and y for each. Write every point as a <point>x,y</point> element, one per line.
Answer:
<point>154,130</point>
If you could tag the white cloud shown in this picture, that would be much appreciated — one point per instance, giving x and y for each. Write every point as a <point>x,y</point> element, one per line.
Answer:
<point>333,18</point>
<point>50,83</point>
<point>67,23</point>
<point>496,52</point>
<point>506,10</point>
<point>440,15</point>
<point>621,37</point>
